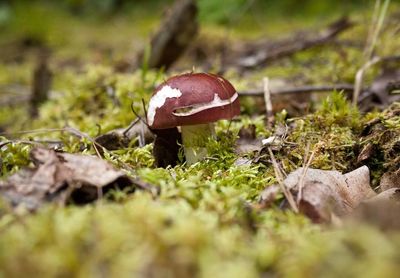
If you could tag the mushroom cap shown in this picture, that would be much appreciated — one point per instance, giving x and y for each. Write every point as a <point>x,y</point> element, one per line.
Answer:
<point>191,99</point>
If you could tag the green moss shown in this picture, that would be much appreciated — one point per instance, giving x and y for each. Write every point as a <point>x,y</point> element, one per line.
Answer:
<point>205,221</point>
<point>13,156</point>
<point>143,236</point>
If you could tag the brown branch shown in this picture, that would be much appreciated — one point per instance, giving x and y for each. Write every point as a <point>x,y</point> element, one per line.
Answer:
<point>298,90</point>
<point>268,102</point>
<point>175,34</point>
<point>288,47</point>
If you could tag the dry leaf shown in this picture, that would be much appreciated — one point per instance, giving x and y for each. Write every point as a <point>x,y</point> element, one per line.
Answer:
<point>327,193</point>
<point>120,138</point>
<point>390,180</point>
<point>383,210</point>
<point>247,142</point>
<point>61,178</point>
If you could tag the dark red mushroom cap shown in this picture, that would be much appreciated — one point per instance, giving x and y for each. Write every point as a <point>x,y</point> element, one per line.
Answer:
<point>191,99</point>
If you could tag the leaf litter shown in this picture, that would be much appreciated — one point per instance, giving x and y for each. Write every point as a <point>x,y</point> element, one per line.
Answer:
<point>326,195</point>
<point>64,178</point>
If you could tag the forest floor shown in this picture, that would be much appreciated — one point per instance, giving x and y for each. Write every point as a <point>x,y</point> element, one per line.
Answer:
<point>211,218</point>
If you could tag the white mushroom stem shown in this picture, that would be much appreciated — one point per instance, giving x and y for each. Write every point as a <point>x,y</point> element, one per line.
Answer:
<point>194,139</point>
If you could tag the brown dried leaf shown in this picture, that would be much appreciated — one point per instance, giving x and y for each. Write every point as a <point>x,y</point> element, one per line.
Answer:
<point>383,210</point>
<point>390,180</point>
<point>62,178</point>
<point>248,142</point>
<point>269,195</point>
<point>329,193</point>
<point>120,138</point>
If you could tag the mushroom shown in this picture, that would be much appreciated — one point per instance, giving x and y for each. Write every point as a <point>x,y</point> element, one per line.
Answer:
<point>193,102</point>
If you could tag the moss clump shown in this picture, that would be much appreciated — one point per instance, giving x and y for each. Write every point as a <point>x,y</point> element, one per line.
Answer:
<point>142,236</point>
<point>329,134</point>
<point>379,145</point>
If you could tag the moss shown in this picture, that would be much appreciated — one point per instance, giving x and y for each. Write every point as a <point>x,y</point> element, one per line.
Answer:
<point>204,222</point>
<point>146,237</point>
<point>13,156</point>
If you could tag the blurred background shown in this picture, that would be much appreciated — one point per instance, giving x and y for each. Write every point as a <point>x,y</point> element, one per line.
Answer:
<point>115,29</point>
<point>47,47</point>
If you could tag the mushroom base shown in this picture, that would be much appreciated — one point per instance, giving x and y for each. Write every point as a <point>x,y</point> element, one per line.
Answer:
<point>194,139</point>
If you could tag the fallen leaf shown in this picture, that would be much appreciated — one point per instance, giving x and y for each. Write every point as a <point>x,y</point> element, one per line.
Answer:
<point>382,211</point>
<point>327,193</point>
<point>247,141</point>
<point>120,138</point>
<point>63,178</point>
<point>269,195</point>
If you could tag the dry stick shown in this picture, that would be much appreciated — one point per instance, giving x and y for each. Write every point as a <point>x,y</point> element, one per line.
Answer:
<point>83,135</point>
<point>377,24</point>
<point>360,74</point>
<point>301,182</point>
<point>268,102</point>
<point>279,177</point>
<point>376,27</point>
<point>359,78</point>
<point>44,130</point>
<point>374,20</point>
<point>5,143</point>
<point>143,123</point>
<point>302,89</point>
<point>294,45</point>
<point>305,169</point>
<point>175,34</point>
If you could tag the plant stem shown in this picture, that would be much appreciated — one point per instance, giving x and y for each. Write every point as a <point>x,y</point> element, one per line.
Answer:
<point>194,138</point>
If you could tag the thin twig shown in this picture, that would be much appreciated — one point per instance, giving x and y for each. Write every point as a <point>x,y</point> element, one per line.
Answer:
<point>43,130</point>
<point>374,20</point>
<point>283,49</point>
<point>5,143</point>
<point>301,89</point>
<point>359,78</point>
<point>377,27</point>
<point>278,174</point>
<point>84,135</point>
<point>268,102</point>
<point>305,169</point>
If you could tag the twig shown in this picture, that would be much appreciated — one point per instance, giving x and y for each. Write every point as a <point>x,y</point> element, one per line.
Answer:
<point>291,46</point>
<point>175,34</point>
<point>360,75</point>
<point>302,89</point>
<point>307,165</point>
<point>13,100</point>
<point>41,82</point>
<point>278,174</point>
<point>43,130</point>
<point>367,52</point>
<point>84,135</point>
<point>5,143</point>
<point>359,78</point>
<point>268,102</point>
<point>377,24</point>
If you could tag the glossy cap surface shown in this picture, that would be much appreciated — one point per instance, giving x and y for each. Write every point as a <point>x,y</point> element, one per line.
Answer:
<point>190,99</point>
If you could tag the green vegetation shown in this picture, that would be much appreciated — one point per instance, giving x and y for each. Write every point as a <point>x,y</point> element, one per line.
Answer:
<point>206,221</point>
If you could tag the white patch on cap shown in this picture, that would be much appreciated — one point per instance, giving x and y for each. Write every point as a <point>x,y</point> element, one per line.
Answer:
<point>158,101</point>
<point>196,108</point>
